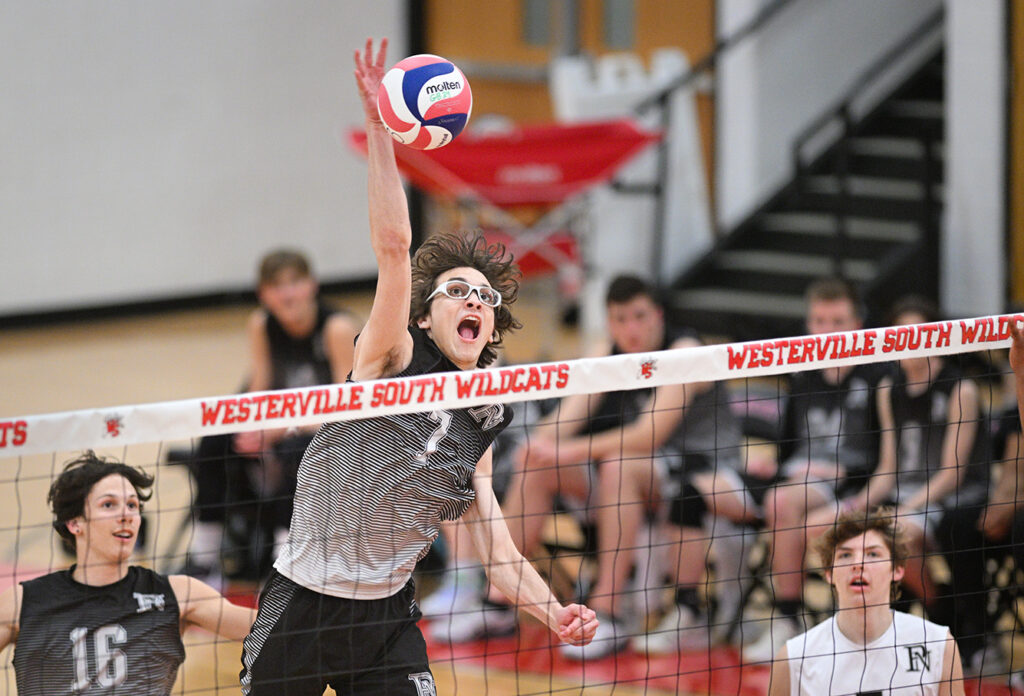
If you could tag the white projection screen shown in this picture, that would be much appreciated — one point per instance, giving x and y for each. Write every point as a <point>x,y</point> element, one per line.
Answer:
<point>155,150</point>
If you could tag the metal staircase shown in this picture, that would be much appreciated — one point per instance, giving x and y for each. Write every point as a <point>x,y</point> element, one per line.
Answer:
<point>866,208</point>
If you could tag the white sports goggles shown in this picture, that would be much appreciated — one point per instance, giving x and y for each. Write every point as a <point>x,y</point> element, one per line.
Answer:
<point>460,290</point>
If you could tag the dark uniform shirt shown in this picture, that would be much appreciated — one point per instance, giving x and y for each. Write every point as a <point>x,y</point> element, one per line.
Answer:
<point>834,422</point>
<point>921,422</point>
<point>121,639</point>
<point>299,362</point>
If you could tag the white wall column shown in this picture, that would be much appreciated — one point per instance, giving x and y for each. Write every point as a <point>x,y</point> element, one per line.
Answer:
<point>973,253</point>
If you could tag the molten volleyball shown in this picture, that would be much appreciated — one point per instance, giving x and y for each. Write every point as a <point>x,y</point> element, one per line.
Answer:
<point>424,101</point>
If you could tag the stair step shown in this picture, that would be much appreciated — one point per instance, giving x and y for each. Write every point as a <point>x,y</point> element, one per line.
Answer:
<point>826,225</point>
<point>740,302</point>
<point>824,245</point>
<point>929,109</point>
<point>782,262</point>
<point>874,187</point>
<point>885,146</point>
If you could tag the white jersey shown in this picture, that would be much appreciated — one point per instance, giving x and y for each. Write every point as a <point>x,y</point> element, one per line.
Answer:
<point>905,660</point>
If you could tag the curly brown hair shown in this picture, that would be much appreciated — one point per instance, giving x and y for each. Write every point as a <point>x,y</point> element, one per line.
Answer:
<point>443,252</point>
<point>68,492</point>
<point>852,524</point>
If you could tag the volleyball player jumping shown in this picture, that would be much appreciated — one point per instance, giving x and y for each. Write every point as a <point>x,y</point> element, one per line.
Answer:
<point>339,609</point>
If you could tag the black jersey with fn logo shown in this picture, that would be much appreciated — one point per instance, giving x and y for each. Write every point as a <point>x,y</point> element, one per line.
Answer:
<point>121,639</point>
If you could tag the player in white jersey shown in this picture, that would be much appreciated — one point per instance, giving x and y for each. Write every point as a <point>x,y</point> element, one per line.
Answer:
<point>371,494</point>
<point>867,649</point>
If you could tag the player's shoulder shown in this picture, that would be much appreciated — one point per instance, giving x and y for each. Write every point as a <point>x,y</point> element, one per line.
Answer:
<point>257,319</point>
<point>682,336</point>
<point>187,589</point>
<point>803,643</point>
<point>340,321</point>
<point>908,624</point>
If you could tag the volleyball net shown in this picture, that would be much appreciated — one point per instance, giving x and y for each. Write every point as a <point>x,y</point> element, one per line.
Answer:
<point>734,590</point>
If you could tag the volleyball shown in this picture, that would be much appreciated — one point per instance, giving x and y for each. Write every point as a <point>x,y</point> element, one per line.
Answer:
<point>424,101</point>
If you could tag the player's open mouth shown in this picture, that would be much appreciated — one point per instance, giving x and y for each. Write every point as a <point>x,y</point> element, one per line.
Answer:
<point>123,535</point>
<point>469,328</point>
<point>858,582</point>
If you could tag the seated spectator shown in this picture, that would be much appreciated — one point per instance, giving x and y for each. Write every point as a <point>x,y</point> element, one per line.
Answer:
<point>932,458</point>
<point>975,531</point>
<point>867,648</point>
<point>295,340</point>
<point>625,458</point>
<point>829,446</point>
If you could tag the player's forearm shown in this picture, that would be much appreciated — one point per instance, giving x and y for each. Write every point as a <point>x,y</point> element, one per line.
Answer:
<point>390,230</point>
<point>520,582</point>
<point>877,489</point>
<point>938,487</point>
<point>641,437</point>
<point>236,622</point>
<point>1020,398</point>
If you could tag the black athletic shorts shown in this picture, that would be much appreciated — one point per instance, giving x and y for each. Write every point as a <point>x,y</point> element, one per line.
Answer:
<point>304,641</point>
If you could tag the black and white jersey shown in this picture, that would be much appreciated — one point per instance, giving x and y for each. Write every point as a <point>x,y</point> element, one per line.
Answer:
<point>371,493</point>
<point>834,422</point>
<point>921,421</point>
<point>122,639</point>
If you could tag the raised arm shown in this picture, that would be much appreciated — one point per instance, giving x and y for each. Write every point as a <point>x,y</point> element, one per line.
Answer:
<point>511,573</point>
<point>201,605</point>
<point>385,346</point>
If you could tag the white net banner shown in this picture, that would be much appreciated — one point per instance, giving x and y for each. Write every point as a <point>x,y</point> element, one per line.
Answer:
<point>127,425</point>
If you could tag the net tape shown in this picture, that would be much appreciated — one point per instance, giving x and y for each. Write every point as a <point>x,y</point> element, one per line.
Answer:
<point>173,420</point>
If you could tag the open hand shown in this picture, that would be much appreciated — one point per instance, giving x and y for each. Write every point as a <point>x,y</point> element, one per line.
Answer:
<point>369,72</point>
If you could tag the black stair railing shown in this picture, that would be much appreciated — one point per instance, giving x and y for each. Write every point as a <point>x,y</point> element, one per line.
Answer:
<point>662,101</point>
<point>841,114</point>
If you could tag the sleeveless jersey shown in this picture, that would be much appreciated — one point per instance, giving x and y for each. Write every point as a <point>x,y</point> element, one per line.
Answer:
<point>921,422</point>
<point>906,660</point>
<point>299,362</point>
<point>122,639</point>
<point>371,493</point>
<point>709,428</point>
<point>834,422</point>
